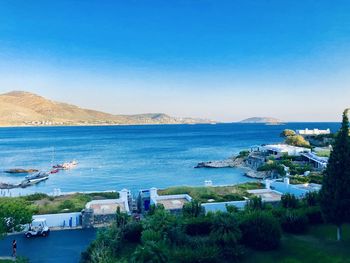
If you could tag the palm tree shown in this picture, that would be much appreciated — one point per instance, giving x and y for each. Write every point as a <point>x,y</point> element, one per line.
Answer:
<point>150,252</point>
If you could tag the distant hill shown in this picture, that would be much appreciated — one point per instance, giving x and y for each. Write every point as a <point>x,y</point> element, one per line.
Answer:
<point>19,108</point>
<point>267,120</point>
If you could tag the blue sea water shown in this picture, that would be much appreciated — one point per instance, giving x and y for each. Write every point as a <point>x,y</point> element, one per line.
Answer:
<point>133,157</point>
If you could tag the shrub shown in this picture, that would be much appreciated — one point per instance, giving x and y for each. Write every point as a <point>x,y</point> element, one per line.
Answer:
<point>287,133</point>
<point>289,201</point>
<point>36,197</point>
<point>294,222</point>
<point>150,235</point>
<point>311,198</point>
<point>297,140</point>
<point>243,154</point>
<point>225,229</point>
<point>155,252</point>
<point>200,254</point>
<point>198,226</point>
<point>260,230</point>
<point>193,209</point>
<point>67,204</point>
<point>255,203</point>
<point>316,178</point>
<point>132,232</point>
<point>314,215</point>
<point>231,209</point>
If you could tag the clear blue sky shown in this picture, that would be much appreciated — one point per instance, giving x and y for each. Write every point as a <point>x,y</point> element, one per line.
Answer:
<point>224,60</point>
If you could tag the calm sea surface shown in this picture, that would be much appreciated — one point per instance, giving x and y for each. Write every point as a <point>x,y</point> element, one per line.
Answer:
<point>133,157</point>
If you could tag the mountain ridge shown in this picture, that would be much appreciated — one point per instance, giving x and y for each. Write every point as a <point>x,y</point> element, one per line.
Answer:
<point>22,108</point>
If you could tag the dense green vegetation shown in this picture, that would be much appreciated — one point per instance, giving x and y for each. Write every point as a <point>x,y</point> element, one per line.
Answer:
<point>292,138</point>
<point>258,233</point>
<point>287,133</point>
<point>317,244</point>
<point>297,140</point>
<point>335,192</point>
<point>217,193</point>
<point>13,214</point>
<point>313,177</point>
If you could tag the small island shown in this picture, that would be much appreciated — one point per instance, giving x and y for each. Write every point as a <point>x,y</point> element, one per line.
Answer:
<point>263,120</point>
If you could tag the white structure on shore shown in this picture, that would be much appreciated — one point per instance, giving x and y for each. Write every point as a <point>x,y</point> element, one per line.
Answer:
<point>313,132</point>
<point>280,149</point>
<point>173,203</point>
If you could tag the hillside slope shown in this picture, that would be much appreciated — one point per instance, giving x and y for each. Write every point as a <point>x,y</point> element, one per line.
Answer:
<point>19,108</point>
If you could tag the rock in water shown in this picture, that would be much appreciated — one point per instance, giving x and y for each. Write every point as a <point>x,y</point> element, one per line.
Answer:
<point>21,171</point>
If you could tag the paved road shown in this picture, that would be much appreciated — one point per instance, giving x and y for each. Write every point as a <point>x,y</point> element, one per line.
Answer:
<point>59,247</point>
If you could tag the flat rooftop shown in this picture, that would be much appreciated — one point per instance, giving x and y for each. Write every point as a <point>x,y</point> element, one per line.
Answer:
<point>266,195</point>
<point>309,186</point>
<point>106,208</point>
<point>173,203</point>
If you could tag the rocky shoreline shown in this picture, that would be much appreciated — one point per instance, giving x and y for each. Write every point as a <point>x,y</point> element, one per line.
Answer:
<point>234,162</point>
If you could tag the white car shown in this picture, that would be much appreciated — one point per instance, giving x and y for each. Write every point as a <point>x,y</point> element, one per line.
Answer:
<point>38,227</point>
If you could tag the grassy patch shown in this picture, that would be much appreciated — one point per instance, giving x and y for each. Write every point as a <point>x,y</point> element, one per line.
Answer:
<point>218,193</point>
<point>318,245</point>
<point>44,204</point>
<point>323,153</point>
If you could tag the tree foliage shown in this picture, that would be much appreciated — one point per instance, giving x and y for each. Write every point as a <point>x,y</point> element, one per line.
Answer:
<point>287,133</point>
<point>335,192</point>
<point>14,213</point>
<point>297,140</point>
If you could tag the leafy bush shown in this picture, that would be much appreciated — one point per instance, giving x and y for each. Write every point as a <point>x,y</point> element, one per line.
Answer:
<point>35,197</point>
<point>289,201</point>
<point>260,230</point>
<point>155,252</point>
<point>297,140</point>
<point>294,221</point>
<point>314,214</point>
<point>273,166</point>
<point>255,203</point>
<point>150,235</point>
<point>231,209</point>
<point>316,178</point>
<point>311,198</point>
<point>198,226</point>
<point>200,254</point>
<point>193,209</point>
<point>287,133</point>
<point>225,230</point>
<point>67,204</point>
<point>132,232</point>
<point>243,154</point>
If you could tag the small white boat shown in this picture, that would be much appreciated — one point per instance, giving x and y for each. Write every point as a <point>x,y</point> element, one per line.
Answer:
<point>36,178</point>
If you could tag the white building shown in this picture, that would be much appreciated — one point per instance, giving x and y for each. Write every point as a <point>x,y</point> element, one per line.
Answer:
<point>173,203</point>
<point>313,132</point>
<point>281,149</point>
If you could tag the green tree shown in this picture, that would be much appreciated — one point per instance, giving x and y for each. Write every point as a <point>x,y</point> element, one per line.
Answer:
<point>335,192</point>
<point>297,140</point>
<point>287,133</point>
<point>14,213</point>
<point>225,229</point>
<point>193,209</point>
<point>151,252</point>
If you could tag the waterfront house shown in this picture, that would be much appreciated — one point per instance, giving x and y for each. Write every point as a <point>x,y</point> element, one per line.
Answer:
<point>172,203</point>
<point>284,149</point>
<point>99,212</point>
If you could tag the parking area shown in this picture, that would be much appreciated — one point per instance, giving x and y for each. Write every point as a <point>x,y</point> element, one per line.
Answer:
<point>60,246</point>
